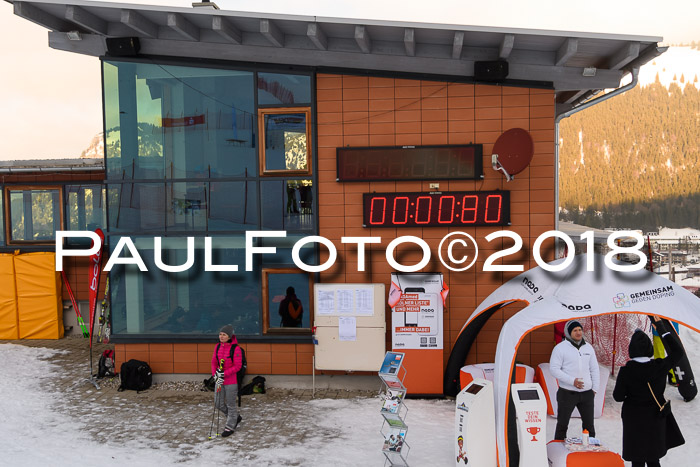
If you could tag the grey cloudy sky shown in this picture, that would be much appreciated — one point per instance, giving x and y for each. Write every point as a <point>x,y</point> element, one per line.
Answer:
<point>51,103</point>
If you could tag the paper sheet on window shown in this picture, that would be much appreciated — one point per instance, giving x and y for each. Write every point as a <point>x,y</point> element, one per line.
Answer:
<point>347,328</point>
<point>325,304</point>
<point>345,300</point>
<point>364,301</point>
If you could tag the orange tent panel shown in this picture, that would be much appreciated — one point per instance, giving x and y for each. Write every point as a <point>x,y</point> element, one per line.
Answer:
<point>39,301</point>
<point>9,327</point>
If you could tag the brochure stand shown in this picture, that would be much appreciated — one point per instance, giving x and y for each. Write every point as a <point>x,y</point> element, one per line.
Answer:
<point>394,412</point>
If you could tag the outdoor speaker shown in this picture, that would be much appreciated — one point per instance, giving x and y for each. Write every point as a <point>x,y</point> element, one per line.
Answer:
<point>494,70</point>
<point>123,46</point>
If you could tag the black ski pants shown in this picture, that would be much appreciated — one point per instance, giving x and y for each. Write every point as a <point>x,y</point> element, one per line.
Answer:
<point>567,401</point>
<point>648,463</point>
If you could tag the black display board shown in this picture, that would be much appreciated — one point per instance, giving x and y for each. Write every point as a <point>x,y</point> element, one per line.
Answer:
<point>463,162</point>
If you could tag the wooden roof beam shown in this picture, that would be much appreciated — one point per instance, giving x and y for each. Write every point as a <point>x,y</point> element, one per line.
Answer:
<point>409,41</point>
<point>567,50</point>
<point>272,33</point>
<point>86,20</point>
<point>40,17</point>
<point>506,46</point>
<point>623,56</point>
<point>226,30</point>
<point>457,44</point>
<point>139,23</point>
<point>316,35</point>
<point>187,30</point>
<point>363,40</point>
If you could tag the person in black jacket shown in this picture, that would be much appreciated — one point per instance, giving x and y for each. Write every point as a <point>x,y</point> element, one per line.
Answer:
<point>646,434</point>
<point>291,310</point>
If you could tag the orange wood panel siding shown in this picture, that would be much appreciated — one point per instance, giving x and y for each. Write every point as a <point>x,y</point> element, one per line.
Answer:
<point>368,111</point>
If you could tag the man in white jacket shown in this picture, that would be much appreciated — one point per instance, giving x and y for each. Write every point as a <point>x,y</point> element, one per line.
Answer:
<point>574,365</point>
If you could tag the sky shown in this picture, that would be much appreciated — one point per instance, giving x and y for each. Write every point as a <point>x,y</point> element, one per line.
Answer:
<point>38,427</point>
<point>51,100</point>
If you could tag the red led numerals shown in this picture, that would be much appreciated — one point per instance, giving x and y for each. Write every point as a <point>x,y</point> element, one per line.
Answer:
<point>376,213</point>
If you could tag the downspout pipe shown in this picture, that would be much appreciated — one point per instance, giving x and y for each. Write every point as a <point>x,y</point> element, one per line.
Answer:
<point>578,108</point>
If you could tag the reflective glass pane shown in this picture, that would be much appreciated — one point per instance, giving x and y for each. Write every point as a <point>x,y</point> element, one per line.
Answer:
<point>283,253</point>
<point>135,207</point>
<point>285,141</point>
<point>186,207</point>
<point>234,206</point>
<point>193,302</point>
<point>35,215</point>
<point>178,122</point>
<point>85,207</point>
<point>279,89</point>
<point>288,205</point>
<point>288,300</point>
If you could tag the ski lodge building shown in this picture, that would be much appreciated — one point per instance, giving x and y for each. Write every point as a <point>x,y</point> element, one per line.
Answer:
<point>217,123</point>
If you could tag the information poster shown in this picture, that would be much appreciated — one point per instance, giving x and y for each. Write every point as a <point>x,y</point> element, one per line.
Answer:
<point>416,319</point>
<point>357,301</point>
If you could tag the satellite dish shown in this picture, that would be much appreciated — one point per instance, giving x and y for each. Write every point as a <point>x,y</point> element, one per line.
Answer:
<point>512,152</point>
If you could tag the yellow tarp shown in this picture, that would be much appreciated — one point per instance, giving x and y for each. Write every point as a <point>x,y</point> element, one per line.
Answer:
<point>39,310</point>
<point>9,328</point>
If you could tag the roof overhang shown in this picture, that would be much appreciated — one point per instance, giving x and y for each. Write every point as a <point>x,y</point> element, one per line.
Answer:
<point>548,58</point>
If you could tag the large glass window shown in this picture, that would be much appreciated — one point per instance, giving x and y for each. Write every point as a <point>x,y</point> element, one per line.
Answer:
<point>35,214</point>
<point>189,153</point>
<point>178,122</point>
<point>193,302</point>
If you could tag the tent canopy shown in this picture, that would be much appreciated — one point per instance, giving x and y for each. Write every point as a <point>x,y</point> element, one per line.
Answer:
<point>568,294</point>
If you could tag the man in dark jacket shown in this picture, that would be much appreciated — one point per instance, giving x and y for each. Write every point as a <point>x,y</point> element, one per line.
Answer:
<point>646,433</point>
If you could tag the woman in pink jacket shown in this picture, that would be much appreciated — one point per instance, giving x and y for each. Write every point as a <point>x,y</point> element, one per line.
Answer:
<point>225,363</point>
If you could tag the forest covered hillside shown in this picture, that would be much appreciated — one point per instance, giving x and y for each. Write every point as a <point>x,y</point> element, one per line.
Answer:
<point>633,161</point>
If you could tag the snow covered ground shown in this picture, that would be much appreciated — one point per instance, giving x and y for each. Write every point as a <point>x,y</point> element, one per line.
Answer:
<point>36,430</point>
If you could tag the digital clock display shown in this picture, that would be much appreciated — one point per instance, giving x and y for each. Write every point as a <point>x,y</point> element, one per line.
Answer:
<point>440,209</point>
<point>410,163</point>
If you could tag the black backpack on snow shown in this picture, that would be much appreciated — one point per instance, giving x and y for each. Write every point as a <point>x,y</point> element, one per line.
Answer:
<point>135,375</point>
<point>256,386</point>
<point>240,374</point>
<point>105,367</point>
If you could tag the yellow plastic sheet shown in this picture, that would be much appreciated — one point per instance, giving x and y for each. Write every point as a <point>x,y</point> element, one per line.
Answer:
<point>9,327</point>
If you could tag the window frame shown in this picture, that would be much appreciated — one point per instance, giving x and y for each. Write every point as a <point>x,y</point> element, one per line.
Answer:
<point>262,112</point>
<point>8,212</point>
<point>266,328</point>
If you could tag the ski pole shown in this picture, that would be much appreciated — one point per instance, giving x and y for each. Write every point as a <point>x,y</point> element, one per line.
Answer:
<point>216,403</point>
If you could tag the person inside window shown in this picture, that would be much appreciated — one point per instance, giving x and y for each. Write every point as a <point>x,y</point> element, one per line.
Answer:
<point>291,311</point>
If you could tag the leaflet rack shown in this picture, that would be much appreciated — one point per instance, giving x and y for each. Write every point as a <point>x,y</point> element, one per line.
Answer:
<point>394,411</point>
